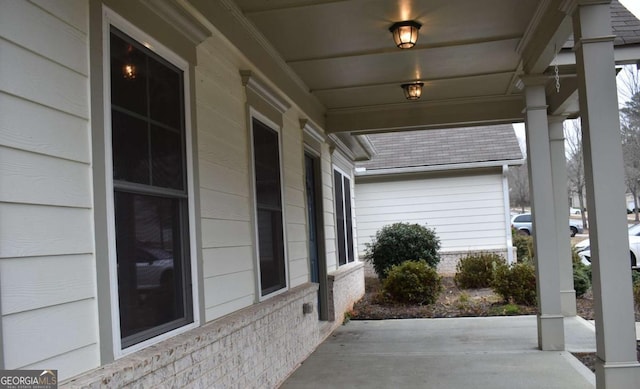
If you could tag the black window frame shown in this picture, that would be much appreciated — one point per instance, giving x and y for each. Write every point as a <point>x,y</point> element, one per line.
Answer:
<point>180,303</point>
<point>269,211</point>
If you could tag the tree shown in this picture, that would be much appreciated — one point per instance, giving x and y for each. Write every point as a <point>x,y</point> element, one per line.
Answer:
<point>630,132</point>
<point>575,164</point>
<point>518,177</point>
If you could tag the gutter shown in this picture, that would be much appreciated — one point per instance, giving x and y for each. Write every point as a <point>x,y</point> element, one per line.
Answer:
<point>362,171</point>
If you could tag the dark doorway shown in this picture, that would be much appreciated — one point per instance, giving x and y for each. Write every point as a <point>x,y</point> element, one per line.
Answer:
<point>317,268</point>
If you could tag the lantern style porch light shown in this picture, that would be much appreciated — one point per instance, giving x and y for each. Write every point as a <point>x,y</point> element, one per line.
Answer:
<point>405,34</point>
<point>413,91</point>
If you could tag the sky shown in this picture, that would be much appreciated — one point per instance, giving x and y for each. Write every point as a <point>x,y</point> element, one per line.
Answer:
<point>631,5</point>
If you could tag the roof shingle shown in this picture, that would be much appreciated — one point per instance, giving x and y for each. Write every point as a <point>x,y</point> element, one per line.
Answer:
<point>448,146</point>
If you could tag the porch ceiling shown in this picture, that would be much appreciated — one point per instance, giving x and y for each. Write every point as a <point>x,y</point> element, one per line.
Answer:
<point>341,54</point>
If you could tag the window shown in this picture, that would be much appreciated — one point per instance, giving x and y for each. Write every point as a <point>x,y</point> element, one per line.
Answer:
<point>266,158</point>
<point>344,221</point>
<point>523,219</point>
<point>149,191</point>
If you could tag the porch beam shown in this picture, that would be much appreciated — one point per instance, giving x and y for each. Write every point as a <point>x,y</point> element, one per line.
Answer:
<point>426,114</point>
<point>550,318</point>
<point>616,363</point>
<point>560,196</point>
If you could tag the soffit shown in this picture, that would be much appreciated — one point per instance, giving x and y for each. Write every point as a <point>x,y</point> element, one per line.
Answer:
<point>470,55</point>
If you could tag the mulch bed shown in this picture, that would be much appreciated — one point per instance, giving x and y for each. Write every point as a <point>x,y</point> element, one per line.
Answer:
<point>455,302</point>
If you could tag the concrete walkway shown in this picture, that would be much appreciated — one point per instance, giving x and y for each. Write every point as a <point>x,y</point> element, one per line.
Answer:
<point>496,352</point>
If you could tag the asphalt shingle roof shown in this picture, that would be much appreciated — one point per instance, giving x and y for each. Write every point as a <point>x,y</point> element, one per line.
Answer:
<point>625,26</point>
<point>443,147</point>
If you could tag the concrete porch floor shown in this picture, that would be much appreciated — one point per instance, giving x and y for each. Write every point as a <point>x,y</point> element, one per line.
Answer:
<point>494,352</point>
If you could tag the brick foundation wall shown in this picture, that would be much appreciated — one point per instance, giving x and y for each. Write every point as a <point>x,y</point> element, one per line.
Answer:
<point>448,261</point>
<point>256,347</point>
<point>346,286</point>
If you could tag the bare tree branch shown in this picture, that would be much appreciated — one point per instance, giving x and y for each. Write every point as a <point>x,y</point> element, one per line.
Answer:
<point>575,164</point>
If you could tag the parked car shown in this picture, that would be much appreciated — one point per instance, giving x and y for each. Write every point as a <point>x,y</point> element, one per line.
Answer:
<point>524,224</point>
<point>575,211</point>
<point>584,249</point>
<point>154,268</point>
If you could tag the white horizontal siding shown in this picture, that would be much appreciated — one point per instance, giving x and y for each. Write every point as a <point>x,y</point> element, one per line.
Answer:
<point>226,260</point>
<point>214,148</point>
<point>33,230</point>
<point>42,81</point>
<point>295,202</point>
<point>70,363</point>
<point>45,34</point>
<point>228,293</point>
<point>219,205</point>
<point>226,233</point>
<point>216,311</point>
<point>228,254</point>
<point>39,179</point>
<point>328,209</point>
<point>466,212</point>
<point>33,336</point>
<point>47,265</point>
<point>22,127</point>
<point>33,283</point>
<point>72,12</point>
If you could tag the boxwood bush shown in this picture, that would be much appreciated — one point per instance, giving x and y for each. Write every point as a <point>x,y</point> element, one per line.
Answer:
<point>399,242</point>
<point>516,283</point>
<point>523,245</point>
<point>581,279</point>
<point>477,270</point>
<point>412,282</point>
<point>636,287</point>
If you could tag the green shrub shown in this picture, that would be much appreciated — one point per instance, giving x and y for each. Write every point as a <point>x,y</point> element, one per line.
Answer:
<point>575,258</point>
<point>581,274</point>
<point>636,287</point>
<point>516,283</point>
<point>477,270</point>
<point>413,282</point>
<point>523,245</point>
<point>581,278</point>
<point>399,242</point>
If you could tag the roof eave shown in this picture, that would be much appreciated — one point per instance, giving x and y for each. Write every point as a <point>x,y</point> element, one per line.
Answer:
<point>437,168</point>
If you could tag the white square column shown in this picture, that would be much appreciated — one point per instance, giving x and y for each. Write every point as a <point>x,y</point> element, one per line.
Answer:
<point>550,318</point>
<point>616,364</point>
<point>561,203</point>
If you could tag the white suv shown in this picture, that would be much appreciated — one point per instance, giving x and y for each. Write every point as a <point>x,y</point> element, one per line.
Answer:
<point>524,224</point>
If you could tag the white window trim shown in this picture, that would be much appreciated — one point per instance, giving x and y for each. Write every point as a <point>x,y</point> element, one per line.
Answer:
<point>110,18</point>
<point>254,114</point>
<point>335,218</point>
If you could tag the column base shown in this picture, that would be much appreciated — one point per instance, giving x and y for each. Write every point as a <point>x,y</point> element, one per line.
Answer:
<point>568,303</point>
<point>551,332</point>
<point>617,374</point>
